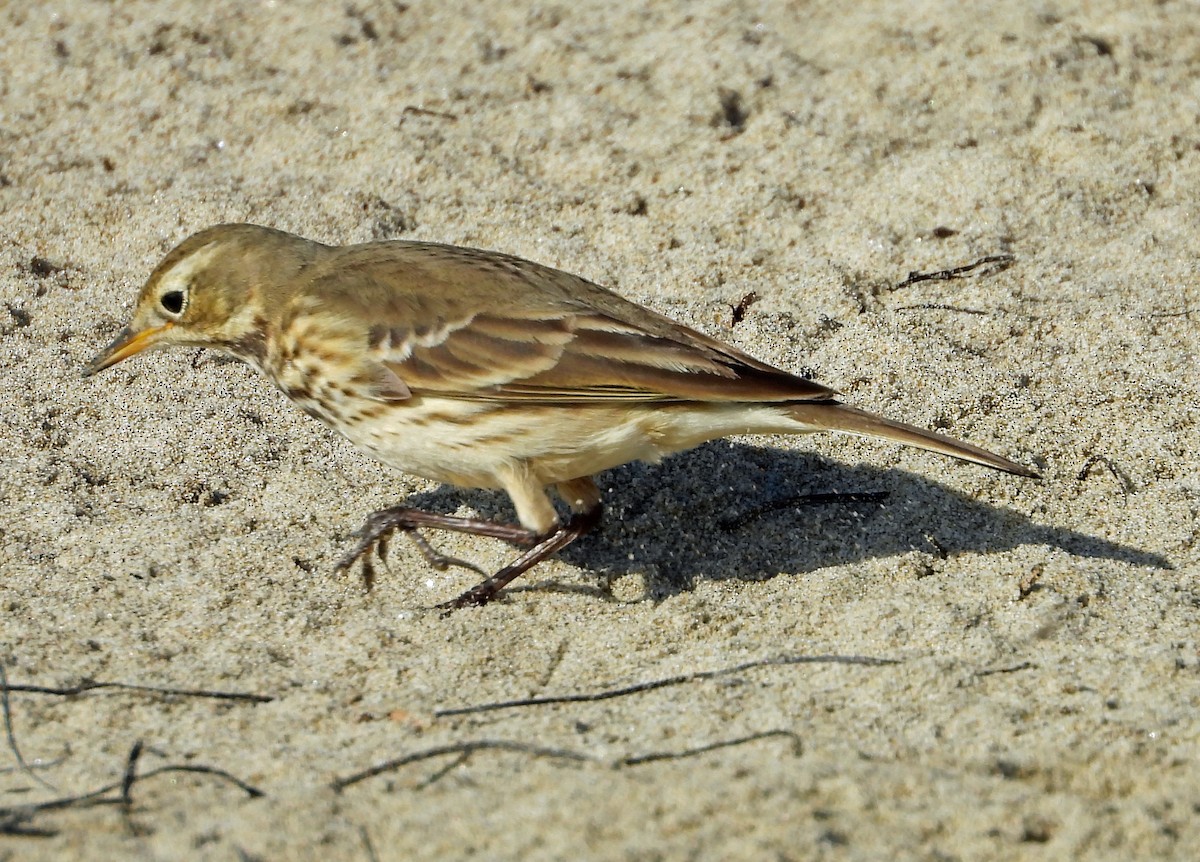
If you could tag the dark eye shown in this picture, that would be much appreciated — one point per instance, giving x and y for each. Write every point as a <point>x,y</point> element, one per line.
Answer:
<point>172,301</point>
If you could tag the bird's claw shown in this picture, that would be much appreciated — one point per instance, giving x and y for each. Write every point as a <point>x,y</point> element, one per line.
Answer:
<point>373,540</point>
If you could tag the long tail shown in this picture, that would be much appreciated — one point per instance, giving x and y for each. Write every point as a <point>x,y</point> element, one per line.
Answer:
<point>833,416</point>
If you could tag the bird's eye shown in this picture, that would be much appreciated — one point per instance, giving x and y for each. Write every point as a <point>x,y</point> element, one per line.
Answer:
<point>172,301</point>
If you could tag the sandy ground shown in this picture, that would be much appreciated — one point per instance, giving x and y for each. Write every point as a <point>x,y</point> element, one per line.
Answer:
<point>977,667</point>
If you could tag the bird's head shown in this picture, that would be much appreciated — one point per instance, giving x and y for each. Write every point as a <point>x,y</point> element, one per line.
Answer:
<point>211,291</point>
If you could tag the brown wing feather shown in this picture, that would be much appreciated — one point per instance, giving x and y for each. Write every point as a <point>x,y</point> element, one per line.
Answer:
<point>480,325</point>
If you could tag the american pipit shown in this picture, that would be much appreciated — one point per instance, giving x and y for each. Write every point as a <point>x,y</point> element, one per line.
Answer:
<point>478,369</point>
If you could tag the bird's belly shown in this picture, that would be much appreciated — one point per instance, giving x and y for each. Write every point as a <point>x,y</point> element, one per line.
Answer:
<point>474,443</point>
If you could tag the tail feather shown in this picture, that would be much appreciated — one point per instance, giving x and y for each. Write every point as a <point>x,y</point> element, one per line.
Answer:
<point>833,416</point>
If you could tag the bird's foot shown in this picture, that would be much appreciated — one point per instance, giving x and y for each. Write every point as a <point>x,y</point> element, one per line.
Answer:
<point>548,544</point>
<point>375,534</point>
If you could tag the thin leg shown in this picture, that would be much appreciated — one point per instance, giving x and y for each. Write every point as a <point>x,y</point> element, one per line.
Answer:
<point>482,593</point>
<point>434,557</point>
<point>379,527</point>
<point>540,529</point>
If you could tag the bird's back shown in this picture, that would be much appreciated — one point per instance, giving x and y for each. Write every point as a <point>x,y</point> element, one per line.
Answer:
<point>442,317</point>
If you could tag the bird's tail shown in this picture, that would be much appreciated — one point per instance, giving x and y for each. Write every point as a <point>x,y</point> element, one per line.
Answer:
<point>833,416</point>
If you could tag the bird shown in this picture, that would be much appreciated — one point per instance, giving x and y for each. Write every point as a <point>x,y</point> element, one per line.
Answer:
<point>481,370</point>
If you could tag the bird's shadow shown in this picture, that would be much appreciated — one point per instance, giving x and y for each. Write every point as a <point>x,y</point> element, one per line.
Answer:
<point>759,511</point>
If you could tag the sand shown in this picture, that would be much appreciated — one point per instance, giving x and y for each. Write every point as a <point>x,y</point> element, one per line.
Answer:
<point>975,666</point>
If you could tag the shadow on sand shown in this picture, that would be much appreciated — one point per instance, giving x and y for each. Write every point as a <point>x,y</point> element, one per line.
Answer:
<point>731,510</point>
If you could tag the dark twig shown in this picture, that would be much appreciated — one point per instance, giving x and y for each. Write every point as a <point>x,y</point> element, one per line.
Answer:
<point>993,263</point>
<point>1125,482</point>
<point>130,776</point>
<point>127,782</point>
<point>43,764</point>
<point>738,312</point>
<point>1187,312</point>
<point>651,685</point>
<point>460,748</point>
<point>796,501</point>
<point>368,846</point>
<point>12,738</point>
<point>91,685</point>
<point>466,749</point>
<point>14,818</point>
<point>445,770</point>
<point>939,306</point>
<point>425,112</point>
<point>1012,668</point>
<point>16,825</point>
<point>200,769</point>
<point>639,759</point>
<point>101,796</point>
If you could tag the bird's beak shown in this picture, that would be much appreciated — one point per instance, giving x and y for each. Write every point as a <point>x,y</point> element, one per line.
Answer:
<point>125,345</point>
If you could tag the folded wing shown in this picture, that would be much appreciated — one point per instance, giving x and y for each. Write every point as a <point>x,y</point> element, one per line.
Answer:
<point>480,325</point>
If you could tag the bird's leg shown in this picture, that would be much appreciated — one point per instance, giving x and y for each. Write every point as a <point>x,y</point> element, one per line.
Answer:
<point>533,507</point>
<point>434,557</point>
<point>379,527</point>
<point>552,542</point>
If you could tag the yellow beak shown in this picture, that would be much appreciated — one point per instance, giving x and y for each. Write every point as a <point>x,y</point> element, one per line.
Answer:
<point>125,345</point>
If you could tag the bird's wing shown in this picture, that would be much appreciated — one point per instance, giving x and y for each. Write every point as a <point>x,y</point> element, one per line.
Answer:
<point>477,325</point>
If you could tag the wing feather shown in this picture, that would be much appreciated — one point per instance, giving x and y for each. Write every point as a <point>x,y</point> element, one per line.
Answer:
<point>478,325</point>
